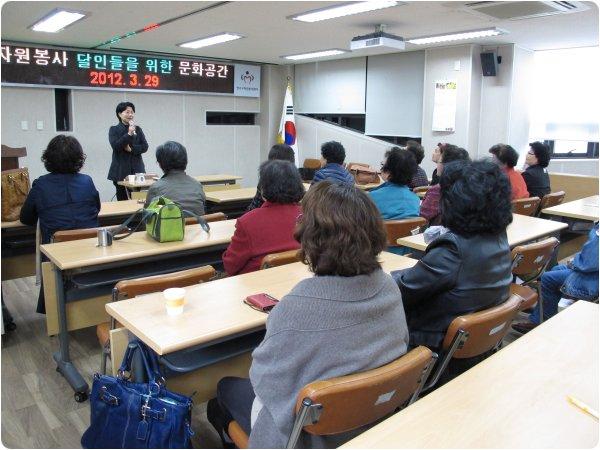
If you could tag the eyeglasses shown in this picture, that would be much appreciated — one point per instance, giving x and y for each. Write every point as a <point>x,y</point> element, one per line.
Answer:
<point>299,218</point>
<point>531,153</point>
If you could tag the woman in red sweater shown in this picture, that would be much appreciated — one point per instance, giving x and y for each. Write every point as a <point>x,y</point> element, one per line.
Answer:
<point>270,228</point>
<point>508,157</point>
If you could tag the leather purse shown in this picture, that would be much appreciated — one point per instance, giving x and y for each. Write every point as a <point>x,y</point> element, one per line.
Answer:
<point>261,302</point>
<point>364,174</point>
<point>15,187</point>
<point>125,414</point>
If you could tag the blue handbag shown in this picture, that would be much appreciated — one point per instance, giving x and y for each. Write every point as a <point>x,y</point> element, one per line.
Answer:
<point>125,414</point>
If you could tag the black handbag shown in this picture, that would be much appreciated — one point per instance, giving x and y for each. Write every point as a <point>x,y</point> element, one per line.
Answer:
<point>125,414</point>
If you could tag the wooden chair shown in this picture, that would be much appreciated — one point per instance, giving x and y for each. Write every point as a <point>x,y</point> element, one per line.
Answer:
<point>421,190</point>
<point>350,164</point>
<point>526,206</point>
<point>131,288</point>
<point>397,229</point>
<point>80,233</point>
<point>529,262</point>
<point>310,163</point>
<point>279,259</point>
<point>475,334</point>
<point>551,199</point>
<point>214,217</point>
<point>349,402</point>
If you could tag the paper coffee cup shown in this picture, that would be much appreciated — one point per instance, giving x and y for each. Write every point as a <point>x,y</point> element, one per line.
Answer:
<point>174,300</point>
<point>131,178</point>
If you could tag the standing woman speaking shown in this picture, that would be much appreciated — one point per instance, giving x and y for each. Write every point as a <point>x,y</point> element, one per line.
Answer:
<point>128,143</point>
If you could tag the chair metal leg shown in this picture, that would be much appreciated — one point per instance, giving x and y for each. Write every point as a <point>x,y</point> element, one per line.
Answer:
<point>423,380</point>
<point>105,353</point>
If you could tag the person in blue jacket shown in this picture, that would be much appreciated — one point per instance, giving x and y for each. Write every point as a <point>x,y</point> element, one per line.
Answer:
<point>63,199</point>
<point>577,279</point>
<point>334,155</point>
<point>394,199</point>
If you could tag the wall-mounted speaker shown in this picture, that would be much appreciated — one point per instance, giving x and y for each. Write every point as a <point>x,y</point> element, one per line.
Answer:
<point>489,64</point>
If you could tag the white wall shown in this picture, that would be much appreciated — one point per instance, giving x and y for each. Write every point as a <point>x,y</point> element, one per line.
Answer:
<point>359,148</point>
<point>179,117</point>
<point>520,101</point>
<point>575,166</point>
<point>440,65</point>
<point>331,86</point>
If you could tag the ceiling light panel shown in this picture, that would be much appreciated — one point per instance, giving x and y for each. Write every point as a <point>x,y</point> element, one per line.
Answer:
<point>57,20</point>
<point>342,10</point>
<point>458,36</point>
<point>319,54</point>
<point>211,40</point>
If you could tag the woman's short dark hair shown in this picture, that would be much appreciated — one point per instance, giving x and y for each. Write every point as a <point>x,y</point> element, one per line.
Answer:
<point>280,182</point>
<point>341,231</point>
<point>541,152</point>
<point>171,156</point>
<point>475,198</point>
<point>333,152</point>
<point>508,155</point>
<point>283,152</point>
<point>122,107</point>
<point>416,149</point>
<point>63,155</point>
<point>400,164</point>
<point>454,153</point>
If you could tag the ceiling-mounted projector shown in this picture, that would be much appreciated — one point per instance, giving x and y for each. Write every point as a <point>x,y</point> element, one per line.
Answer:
<point>378,39</point>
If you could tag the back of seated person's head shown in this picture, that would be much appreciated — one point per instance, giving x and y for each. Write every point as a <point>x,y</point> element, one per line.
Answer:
<point>400,166</point>
<point>475,198</point>
<point>280,182</point>
<point>333,152</point>
<point>63,155</point>
<point>283,152</point>
<point>341,231</point>
<point>454,153</point>
<point>507,155</point>
<point>541,152</point>
<point>171,156</point>
<point>416,149</point>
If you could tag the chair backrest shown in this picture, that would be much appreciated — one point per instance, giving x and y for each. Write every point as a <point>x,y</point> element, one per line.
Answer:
<point>279,259</point>
<point>485,329</point>
<point>310,163</point>
<point>396,229</point>
<point>146,285</point>
<point>214,217</point>
<point>352,401</point>
<point>552,199</point>
<point>526,206</point>
<point>532,259</point>
<point>80,233</point>
<point>421,189</point>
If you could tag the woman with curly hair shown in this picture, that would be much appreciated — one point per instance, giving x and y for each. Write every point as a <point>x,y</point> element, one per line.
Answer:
<point>348,318</point>
<point>468,268</point>
<point>394,199</point>
<point>64,199</point>
<point>270,228</point>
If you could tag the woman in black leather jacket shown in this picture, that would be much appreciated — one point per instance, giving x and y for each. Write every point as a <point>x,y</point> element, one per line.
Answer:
<point>468,268</point>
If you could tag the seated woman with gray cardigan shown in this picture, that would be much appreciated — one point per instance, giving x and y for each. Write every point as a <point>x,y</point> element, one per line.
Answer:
<point>175,184</point>
<point>347,318</point>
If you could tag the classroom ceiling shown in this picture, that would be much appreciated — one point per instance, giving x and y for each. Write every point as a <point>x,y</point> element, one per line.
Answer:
<point>270,35</point>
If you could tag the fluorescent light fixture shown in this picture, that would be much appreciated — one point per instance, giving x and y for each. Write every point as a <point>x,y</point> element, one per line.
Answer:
<point>458,36</point>
<point>211,40</point>
<point>57,20</point>
<point>319,54</point>
<point>341,10</point>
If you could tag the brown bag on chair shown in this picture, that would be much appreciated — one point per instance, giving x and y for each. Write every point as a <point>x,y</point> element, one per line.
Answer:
<point>364,175</point>
<point>15,187</point>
